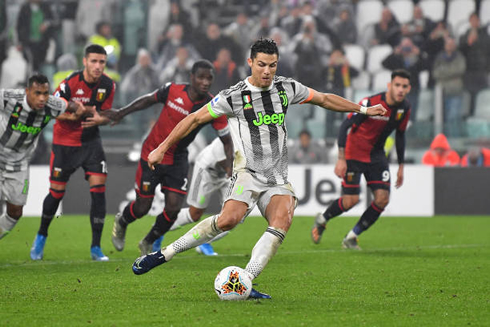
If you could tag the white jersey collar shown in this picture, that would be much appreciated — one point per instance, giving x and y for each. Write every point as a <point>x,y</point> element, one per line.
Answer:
<point>258,89</point>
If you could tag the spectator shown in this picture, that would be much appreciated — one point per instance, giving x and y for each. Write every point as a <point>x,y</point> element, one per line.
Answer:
<point>307,152</point>
<point>66,64</point>
<point>408,56</point>
<point>387,30</point>
<point>476,157</point>
<point>440,153</point>
<point>281,39</point>
<point>89,13</point>
<point>311,49</point>
<point>433,45</point>
<point>179,16</point>
<point>292,23</point>
<point>3,33</point>
<point>308,13</point>
<point>418,28</point>
<point>103,36</point>
<point>262,29</point>
<point>475,46</point>
<point>338,76</point>
<point>239,31</point>
<point>329,9</point>
<point>225,71</point>
<point>174,39</point>
<point>178,69</point>
<point>209,44</point>
<point>35,27</point>
<point>449,68</point>
<point>345,27</point>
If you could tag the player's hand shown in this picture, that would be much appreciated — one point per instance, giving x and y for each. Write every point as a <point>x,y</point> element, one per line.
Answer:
<point>154,158</point>
<point>340,168</point>
<point>377,110</point>
<point>94,120</point>
<point>399,177</point>
<point>113,114</point>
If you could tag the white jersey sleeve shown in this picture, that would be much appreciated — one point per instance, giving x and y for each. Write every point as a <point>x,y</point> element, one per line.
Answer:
<point>2,104</point>
<point>218,106</point>
<point>301,94</point>
<point>58,105</point>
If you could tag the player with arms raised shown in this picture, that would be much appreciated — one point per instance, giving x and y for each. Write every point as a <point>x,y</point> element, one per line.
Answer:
<point>361,152</point>
<point>256,108</point>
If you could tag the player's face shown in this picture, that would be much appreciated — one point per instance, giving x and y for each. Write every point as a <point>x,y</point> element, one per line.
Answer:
<point>94,66</point>
<point>37,95</point>
<point>399,88</point>
<point>264,68</point>
<point>201,81</point>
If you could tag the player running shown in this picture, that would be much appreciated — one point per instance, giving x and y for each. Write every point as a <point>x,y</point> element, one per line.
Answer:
<point>209,176</point>
<point>256,109</point>
<point>361,152</point>
<point>77,143</point>
<point>23,115</point>
<point>179,101</point>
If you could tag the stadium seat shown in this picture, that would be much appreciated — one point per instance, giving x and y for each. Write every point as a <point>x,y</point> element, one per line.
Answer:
<point>424,79</point>
<point>362,81</point>
<point>461,29</point>
<point>368,12</point>
<point>459,11</point>
<point>381,80</point>
<point>316,124</point>
<point>375,57</point>
<point>425,109</point>
<point>433,9</point>
<point>356,55</point>
<point>485,12</point>
<point>402,9</point>
<point>479,124</point>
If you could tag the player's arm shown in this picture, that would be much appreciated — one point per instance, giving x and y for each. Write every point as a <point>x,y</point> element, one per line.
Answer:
<point>183,128</point>
<point>140,103</point>
<point>341,165</point>
<point>78,110</point>
<point>227,164</point>
<point>400,153</point>
<point>336,103</point>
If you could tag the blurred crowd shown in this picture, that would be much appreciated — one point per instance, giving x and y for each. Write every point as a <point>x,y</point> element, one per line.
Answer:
<point>339,46</point>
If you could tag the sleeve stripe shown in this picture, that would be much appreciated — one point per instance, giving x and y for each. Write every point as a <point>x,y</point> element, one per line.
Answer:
<point>211,112</point>
<point>310,96</point>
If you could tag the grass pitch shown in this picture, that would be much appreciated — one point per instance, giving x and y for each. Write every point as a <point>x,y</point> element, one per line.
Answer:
<point>411,272</point>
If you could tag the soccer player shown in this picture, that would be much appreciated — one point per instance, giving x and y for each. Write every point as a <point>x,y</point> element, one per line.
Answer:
<point>23,115</point>
<point>209,175</point>
<point>179,101</point>
<point>77,143</point>
<point>256,109</point>
<point>361,152</point>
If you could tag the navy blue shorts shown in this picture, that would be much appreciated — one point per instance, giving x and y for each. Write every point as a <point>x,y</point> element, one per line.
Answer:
<point>377,176</point>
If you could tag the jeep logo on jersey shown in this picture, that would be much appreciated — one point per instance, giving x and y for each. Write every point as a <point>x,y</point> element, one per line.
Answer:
<point>26,129</point>
<point>269,119</point>
<point>100,95</point>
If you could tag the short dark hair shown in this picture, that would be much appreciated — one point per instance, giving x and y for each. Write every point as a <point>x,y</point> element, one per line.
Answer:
<point>100,25</point>
<point>95,48</point>
<point>37,78</point>
<point>400,73</point>
<point>264,45</point>
<point>305,132</point>
<point>203,63</point>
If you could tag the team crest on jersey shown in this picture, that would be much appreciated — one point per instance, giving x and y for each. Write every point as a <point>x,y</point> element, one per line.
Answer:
<point>284,98</point>
<point>399,114</point>
<point>101,94</point>
<point>16,111</point>
<point>248,102</point>
<point>56,172</point>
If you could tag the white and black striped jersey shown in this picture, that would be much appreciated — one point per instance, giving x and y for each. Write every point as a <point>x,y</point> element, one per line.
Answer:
<point>258,127</point>
<point>20,126</point>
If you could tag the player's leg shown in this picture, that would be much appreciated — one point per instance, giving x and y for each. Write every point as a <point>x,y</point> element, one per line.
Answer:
<point>232,213</point>
<point>349,198</point>
<point>95,167</point>
<point>14,186</point>
<point>63,163</point>
<point>146,181</point>
<point>378,179</point>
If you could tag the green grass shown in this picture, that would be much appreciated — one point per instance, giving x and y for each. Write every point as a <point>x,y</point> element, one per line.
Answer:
<point>411,272</point>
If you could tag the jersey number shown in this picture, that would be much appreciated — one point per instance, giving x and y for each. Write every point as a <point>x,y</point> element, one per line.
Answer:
<point>184,187</point>
<point>385,176</point>
<point>104,167</point>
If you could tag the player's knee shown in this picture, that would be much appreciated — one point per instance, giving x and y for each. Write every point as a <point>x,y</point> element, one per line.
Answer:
<point>15,212</point>
<point>349,201</point>
<point>196,213</point>
<point>141,207</point>
<point>228,221</point>
<point>382,201</point>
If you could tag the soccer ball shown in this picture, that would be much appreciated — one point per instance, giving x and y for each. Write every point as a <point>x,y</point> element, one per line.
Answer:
<point>233,283</point>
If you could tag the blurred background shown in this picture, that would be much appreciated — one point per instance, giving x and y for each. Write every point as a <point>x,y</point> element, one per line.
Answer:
<point>345,47</point>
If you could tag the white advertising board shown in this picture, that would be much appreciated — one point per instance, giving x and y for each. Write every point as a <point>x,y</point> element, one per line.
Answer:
<point>38,189</point>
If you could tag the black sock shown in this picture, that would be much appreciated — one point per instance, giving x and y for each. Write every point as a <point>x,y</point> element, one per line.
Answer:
<point>50,206</point>
<point>127,215</point>
<point>161,226</point>
<point>97,213</point>
<point>334,209</point>
<point>367,219</point>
